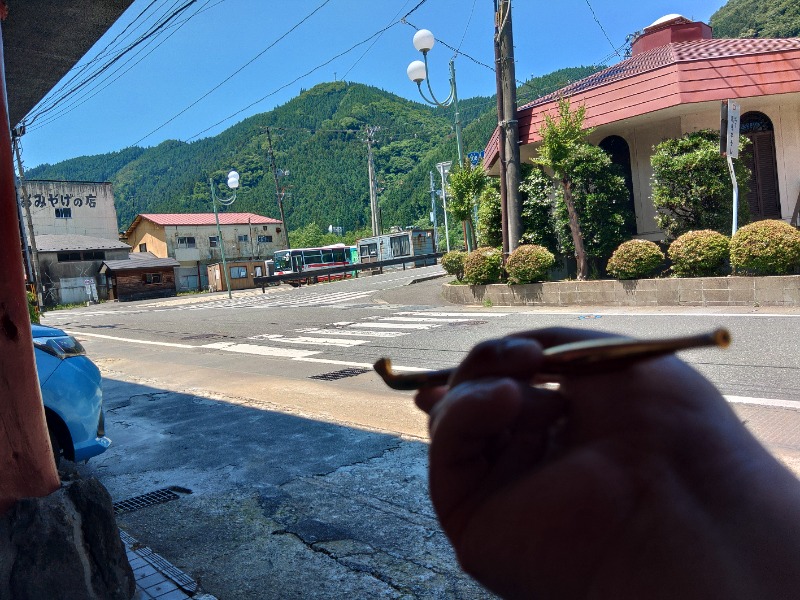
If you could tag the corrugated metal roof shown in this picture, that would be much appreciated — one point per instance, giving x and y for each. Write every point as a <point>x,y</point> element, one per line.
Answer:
<point>138,264</point>
<point>225,218</point>
<point>59,242</point>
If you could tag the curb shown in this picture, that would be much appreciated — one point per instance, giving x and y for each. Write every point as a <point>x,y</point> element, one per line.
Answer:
<point>156,577</point>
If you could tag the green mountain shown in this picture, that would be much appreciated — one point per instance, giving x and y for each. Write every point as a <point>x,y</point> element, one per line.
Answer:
<point>757,19</point>
<point>319,137</point>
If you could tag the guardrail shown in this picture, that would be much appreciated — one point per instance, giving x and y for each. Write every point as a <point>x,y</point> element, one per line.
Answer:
<point>314,275</point>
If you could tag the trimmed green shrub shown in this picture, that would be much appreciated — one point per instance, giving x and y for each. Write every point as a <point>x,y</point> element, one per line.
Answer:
<point>483,265</point>
<point>528,263</point>
<point>635,259</point>
<point>769,247</point>
<point>692,187</point>
<point>453,263</point>
<point>699,253</point>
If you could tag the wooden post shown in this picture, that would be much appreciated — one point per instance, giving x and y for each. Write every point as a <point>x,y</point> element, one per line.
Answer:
<point>26,459</point>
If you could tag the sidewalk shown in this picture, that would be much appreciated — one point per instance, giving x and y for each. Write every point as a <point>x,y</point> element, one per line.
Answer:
<point>156,577</point>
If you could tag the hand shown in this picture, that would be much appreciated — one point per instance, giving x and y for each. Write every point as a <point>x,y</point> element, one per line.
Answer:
<point>636,483</point>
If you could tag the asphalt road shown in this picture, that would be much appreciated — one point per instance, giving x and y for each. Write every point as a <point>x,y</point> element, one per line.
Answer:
<point>304,487</point>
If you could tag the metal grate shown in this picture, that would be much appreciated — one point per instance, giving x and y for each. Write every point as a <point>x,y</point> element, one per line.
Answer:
<point>352,372</point>
<point>470,323</point>
<point>145,500</point>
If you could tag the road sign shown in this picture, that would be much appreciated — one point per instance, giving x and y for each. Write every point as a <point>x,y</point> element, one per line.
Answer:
<point>729,128</point>
<point>475,157</point>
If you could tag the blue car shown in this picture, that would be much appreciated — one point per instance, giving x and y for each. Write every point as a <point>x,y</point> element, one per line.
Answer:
<point>72,395</point>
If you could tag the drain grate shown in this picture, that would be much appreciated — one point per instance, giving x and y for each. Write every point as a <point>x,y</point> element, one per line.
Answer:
<point>351,372</point>
<point>145,500</point>
<point>469,323</point>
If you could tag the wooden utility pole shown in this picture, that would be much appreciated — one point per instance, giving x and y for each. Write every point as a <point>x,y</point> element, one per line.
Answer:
<point>27,467</point>
<point>501,143</point>
<point>508,120</point>
<point>278,192</point>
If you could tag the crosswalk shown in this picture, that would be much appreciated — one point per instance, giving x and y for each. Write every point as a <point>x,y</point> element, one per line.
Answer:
<point>348,334</point>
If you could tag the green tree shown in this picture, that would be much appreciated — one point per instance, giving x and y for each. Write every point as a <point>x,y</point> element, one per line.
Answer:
<point>691,185</point>
<point>537,192</point>
<point>757,19</point>
<point>592,198</point>
<point>490,227</point>
<point>466,183</point>
<point>601,200</point>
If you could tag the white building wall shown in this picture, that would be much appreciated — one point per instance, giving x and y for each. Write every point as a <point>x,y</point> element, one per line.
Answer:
<point>83,209</point>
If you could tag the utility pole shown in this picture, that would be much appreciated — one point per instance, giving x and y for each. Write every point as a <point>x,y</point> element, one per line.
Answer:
<point>26,207</point>
<point>508,120</point>
<point>433,215</point>
<point>278,193</point>
<point>373,192</point>
<point>501,146</point>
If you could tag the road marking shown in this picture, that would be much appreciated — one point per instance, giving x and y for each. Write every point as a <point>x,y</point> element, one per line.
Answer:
<point>394,325</point>
<point>308,340</point>
<point>424,320</point>
<point>381,334</point>
<point>764,402</point>
<point>658,314</point>
<point>259,350</point>
<point>120,339</point>
<point>470,315</point>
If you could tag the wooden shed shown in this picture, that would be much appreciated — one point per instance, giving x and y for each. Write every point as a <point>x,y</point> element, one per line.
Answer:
<point>240,272</point>
<point>140,276</point>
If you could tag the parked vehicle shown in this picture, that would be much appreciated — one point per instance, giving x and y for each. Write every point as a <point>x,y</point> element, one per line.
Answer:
<point>72,395</point>
<point>307,260</point>
<point>410,243</point>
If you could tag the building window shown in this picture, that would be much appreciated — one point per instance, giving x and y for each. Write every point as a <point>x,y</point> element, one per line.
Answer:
<point>238,272</point>
<point>142,247</point>
<point>94,255</point>
<point>258,271</point>
<point>63,213</point>
<point>265,239</point>
<point>150,278</point>
<point>69,256</point>
<point>213,241</point>
<point>243,238</point>
<point>265,227</point>
<point>186,242</point>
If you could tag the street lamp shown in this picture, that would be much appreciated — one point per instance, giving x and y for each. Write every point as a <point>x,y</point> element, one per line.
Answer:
<point>418,72</point>
<point>233,183</point>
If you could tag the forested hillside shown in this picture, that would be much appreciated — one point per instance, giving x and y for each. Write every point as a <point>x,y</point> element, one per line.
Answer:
<point>757,19</point>
<point>319,137</point>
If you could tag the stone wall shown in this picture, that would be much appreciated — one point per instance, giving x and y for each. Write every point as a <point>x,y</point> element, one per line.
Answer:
<point>700,291</point>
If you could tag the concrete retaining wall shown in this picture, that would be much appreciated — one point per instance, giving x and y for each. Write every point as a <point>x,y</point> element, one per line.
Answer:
<point>700,291</point>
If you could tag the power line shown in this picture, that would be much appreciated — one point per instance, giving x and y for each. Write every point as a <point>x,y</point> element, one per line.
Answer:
<point>114,60</point>
<point>232,75</point>
<point>371,45</point>
<point>602,29</point>
<point>121,70</point>
<point>309,72</point>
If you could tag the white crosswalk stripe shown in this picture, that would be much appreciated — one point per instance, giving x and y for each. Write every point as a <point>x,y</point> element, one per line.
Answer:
<point>398,324</point>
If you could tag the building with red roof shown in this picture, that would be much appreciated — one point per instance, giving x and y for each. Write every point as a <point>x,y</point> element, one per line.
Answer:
<point>193,241</point>
<point>673,84</point>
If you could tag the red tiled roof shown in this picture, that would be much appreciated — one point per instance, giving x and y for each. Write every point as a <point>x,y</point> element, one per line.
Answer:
<point>225,218</point>
<point>668,55</point>
<point>674,74</point>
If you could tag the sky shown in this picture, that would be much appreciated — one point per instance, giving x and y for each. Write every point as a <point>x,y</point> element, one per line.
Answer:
<point>219,61</point>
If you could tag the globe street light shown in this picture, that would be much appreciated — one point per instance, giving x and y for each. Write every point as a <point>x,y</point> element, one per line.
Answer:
<point>233,183</point>
<point>418,72</point>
